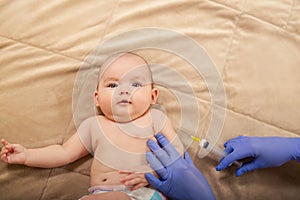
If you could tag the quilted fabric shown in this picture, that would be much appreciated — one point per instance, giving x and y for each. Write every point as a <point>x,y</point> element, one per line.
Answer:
<point>255,46</point>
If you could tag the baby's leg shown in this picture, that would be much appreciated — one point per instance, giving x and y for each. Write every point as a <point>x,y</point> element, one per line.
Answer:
<point>107,196</point>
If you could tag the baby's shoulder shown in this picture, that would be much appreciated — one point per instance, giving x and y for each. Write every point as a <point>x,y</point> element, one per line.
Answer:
<point>94,120</point>
<point>91,125</point>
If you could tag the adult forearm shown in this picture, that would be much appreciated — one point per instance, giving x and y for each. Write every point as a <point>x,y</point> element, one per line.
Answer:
<point>47,157</point>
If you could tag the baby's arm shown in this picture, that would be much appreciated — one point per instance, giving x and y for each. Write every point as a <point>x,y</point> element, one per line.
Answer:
<point>46,157</point>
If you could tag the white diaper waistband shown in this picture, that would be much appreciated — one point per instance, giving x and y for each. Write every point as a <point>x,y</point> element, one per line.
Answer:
<point>108,188</point>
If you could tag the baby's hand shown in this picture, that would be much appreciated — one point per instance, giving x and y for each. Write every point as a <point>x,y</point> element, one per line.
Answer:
<point>12,153</point>
<point>134,179</point>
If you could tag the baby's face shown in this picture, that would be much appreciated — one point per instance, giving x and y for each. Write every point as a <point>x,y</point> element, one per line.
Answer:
<point>124,89</point>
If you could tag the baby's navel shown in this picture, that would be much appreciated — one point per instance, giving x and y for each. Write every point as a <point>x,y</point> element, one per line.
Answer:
<point>104,180</point>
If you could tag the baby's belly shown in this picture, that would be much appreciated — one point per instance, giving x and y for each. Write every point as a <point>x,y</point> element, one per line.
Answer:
<point>108,178</point>
<point>102,175</point>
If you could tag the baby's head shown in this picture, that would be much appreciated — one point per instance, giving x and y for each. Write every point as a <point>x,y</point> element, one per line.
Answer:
<point>125,91</point>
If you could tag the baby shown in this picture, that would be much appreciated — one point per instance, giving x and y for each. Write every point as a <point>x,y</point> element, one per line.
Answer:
<point>117,139</point>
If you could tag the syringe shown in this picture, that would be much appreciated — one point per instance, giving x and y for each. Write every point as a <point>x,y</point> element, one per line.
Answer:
<point>215,150</point>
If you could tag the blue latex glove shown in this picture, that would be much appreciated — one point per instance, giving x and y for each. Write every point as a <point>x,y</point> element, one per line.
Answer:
<point>265,151</point>
<point>179,178</point>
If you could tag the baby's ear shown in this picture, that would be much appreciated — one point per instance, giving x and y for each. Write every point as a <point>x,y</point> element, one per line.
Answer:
<point>96,96</point>
<point>154,95</point>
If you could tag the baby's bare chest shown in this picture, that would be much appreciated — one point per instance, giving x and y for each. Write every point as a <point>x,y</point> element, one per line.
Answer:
<point>128,137</point>
<point>120,147</point>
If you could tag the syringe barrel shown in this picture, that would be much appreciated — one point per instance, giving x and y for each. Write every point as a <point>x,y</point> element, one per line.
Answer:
<point>216,151</point>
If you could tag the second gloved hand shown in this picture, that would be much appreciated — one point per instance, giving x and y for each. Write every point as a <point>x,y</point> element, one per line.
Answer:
<point>265,151</point>
<point>178,177</point>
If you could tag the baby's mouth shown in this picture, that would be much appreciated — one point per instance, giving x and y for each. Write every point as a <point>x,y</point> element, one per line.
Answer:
<point>124,102</point>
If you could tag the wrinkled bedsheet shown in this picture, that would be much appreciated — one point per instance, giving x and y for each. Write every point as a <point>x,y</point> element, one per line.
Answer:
<point>253,45</point>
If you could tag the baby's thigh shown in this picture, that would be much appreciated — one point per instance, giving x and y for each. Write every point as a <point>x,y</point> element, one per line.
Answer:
<point>107,196</point>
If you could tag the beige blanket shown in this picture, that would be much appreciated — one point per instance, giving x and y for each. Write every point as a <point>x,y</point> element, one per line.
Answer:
<point>254,46</point>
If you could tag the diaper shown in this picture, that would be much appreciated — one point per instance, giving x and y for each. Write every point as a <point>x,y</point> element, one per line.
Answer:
<point>144,193</point>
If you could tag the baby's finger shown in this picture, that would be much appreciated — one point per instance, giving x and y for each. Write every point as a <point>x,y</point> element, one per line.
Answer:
<point>4,150</point>
<point>124,179</point>
<point>125,172</point>
<point>138,186</point>
<point>133,182</point>
<point>131,176</point>
<point>4,142</point>
<point>4,157</point>
<point>9,148</point>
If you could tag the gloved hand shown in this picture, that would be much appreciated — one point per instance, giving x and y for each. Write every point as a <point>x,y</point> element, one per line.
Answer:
<point>178,177</point>
<point>265,151</point>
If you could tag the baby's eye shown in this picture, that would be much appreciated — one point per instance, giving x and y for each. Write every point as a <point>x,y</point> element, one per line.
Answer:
<point>112,85</point>
<point>136,84</point>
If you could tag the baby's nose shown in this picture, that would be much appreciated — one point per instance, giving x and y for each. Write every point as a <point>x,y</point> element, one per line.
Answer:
<point>124,91</point>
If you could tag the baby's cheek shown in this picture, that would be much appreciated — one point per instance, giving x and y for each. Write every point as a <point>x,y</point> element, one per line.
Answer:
<point>105,101</point>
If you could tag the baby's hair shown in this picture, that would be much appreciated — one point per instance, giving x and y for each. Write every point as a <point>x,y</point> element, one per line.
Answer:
<point>113,58</point>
